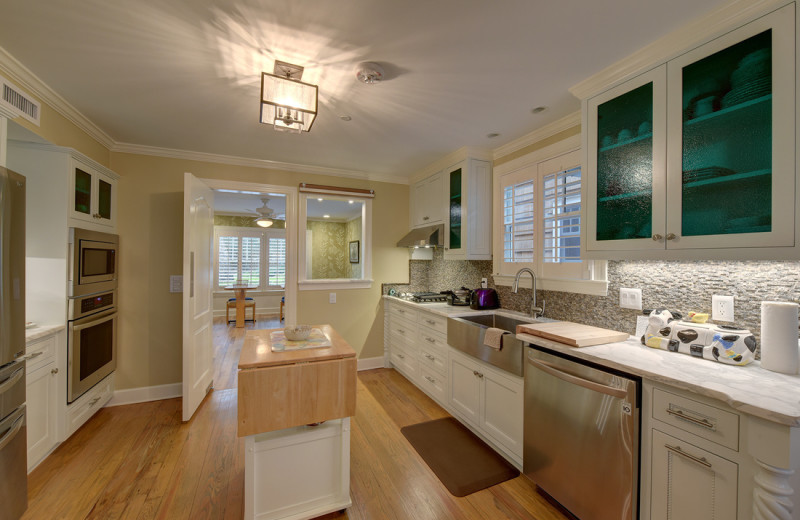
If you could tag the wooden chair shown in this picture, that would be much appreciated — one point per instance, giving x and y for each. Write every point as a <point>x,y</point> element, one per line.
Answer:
<point>248,303</point>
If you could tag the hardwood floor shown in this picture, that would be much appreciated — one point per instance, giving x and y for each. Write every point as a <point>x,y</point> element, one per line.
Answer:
<point>141,462</point>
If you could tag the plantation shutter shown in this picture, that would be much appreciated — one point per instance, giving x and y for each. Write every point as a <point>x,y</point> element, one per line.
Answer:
<point>228,260</point>
<point>562,216</point>
<point>277,261</point>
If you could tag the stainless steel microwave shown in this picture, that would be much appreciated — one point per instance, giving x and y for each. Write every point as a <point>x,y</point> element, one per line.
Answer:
<point>93,262</point>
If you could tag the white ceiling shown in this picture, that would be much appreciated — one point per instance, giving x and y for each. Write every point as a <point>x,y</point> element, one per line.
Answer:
<point>184,74</point>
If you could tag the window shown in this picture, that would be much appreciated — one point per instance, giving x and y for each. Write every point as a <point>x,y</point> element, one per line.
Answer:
<point>250,256</point>
<point>540,215</point>
<point>335,229</point>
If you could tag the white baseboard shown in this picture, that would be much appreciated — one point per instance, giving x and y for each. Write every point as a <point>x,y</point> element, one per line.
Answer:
<point>370,363</point>
<point>145,394</point>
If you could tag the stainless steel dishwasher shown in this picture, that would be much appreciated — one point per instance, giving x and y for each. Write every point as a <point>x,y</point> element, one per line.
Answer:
<point>581,436</point>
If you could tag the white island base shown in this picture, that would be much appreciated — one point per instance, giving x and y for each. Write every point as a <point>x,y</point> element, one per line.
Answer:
<point>297,473</point>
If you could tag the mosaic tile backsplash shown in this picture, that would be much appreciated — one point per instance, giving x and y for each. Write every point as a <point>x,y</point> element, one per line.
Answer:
<point>682,286</point>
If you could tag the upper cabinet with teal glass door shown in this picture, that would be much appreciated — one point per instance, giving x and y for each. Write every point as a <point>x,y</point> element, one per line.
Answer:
<point>626,158</point>
<point>731,159</point>
<point>468,210</point>
<point>696,157</point>
<point>93,195</point>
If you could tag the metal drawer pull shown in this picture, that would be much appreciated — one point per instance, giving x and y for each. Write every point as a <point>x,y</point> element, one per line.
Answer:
<point>678,451</point>
<point>430,340</point>
<point>11,432</point>
<point>551,369</point>
<point>401,356</point>
<point>671,236</point>
<point>12,379</point>
<point>477,374</point>
<point>34,355</point>
<point>430,379</point>
<point>401,331</point>
<point>657,237</point>
<point>431,322</point>
<point>94,401</point>
<point>705,423</point>
<point>432,358</point>
<point>54,371</point>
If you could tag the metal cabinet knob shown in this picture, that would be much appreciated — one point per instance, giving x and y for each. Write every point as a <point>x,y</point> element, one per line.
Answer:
<point>425,218</point>
<point>657,237</point>
<point>54,371</point>
<point>671,236</point>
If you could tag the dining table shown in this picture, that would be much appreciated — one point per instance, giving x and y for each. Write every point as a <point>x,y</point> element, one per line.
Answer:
<point>240,292</point>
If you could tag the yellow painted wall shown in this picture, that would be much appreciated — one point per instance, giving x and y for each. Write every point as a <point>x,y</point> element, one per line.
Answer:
<point>150,223</point>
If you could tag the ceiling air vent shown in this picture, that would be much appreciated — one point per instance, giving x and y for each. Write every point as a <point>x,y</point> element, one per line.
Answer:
<point>17,102</point>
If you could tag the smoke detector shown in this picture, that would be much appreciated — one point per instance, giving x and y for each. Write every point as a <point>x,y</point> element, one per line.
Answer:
<point>369,72</point>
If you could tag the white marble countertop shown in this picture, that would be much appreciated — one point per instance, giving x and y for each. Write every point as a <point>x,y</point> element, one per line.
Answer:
<point>443,309</point>
<point>749,389</point>
<point>43,331</point>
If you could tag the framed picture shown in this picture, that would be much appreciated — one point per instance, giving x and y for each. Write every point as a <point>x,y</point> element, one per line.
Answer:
<point>354,252</point>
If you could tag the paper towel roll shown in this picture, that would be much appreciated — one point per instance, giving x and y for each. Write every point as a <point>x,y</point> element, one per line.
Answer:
<point>779,348</point>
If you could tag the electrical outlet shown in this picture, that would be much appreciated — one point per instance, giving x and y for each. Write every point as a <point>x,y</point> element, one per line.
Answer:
<point>484,283</point>
<point>332,297</point>
<point>630,298</point>
<point>722,308</point>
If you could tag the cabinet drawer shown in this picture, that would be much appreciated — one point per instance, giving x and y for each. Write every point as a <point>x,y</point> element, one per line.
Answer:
<point>89,403</point>
<point>433,383</point>
<point>433,357</point>
<point>708,422</point>
<point>404,362</point>
<point>429,337</point>
<point>434,322</point>
<point>40,352</point>
<point>401,311</point>
<point>403,331</point>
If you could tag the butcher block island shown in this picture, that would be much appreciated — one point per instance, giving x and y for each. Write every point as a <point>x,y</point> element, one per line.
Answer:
<point>294,410</point>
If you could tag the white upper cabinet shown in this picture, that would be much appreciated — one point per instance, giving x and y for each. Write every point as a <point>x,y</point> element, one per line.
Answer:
<point>93,193</point>
<point>696,157</point>
<point>468,210</point>
<point>426,202</point>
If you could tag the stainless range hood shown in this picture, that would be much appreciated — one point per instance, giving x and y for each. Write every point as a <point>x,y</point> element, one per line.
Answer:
<point>431,236</point>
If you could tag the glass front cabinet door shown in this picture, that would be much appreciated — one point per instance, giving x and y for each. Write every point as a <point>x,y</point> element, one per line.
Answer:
<point>698,153</point>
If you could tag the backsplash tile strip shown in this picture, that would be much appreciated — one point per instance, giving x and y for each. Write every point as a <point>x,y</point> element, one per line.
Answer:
<point>683,286</point>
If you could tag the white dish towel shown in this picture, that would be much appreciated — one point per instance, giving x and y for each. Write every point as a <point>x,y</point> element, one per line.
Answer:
<point>494,338</point>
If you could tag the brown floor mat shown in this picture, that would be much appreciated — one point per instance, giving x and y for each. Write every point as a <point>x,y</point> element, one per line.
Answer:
<point>462,461</point>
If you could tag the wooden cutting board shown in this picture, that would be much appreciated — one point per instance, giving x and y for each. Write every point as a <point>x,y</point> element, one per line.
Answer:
<point>572,334</point>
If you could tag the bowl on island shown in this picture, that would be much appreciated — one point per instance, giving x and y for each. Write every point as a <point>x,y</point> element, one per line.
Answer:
<point>297,332</point>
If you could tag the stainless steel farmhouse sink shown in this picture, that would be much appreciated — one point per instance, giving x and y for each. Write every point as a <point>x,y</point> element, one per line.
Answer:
<point>466,334</point>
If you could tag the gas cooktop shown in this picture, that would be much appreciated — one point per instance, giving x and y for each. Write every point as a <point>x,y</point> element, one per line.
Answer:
<point>424,297</point>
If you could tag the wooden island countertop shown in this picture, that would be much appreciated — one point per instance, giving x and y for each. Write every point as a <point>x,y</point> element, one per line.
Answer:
<point>279,390</point>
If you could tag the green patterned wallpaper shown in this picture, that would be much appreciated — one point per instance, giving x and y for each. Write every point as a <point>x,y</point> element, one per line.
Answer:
<point>328,250</point>
<point>239,221</point>
<point>354,233</point>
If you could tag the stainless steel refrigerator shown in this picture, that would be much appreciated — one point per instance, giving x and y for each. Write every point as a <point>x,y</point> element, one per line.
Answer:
<point>13,434</point>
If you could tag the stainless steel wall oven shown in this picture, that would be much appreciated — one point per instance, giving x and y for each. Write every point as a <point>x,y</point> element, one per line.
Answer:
<point>92,262</point>
<point>91,341</point>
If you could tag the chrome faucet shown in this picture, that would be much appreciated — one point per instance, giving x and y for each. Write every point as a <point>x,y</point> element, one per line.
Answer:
<point>535,310</point>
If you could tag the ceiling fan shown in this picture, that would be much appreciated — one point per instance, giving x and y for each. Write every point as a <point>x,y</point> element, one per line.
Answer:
<point>265,214</point>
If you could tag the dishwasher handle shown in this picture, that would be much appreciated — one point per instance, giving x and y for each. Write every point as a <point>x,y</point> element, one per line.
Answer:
<point>551,369</point>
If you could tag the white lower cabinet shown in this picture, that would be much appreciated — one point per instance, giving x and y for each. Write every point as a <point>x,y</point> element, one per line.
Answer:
<point>41,412</point>
<point>690,483</point>
<point>88,404</point>
<point>489,400</point>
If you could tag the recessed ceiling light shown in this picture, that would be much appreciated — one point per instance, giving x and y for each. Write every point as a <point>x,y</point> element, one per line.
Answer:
<point>319,200</point>
<point>350,201</point>
<point>345,118</point>
<point>538,110</point>
<point>492,135</point>
<point>326,216</point>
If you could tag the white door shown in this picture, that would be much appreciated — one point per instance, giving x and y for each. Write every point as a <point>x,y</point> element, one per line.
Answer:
<point>198,262</point>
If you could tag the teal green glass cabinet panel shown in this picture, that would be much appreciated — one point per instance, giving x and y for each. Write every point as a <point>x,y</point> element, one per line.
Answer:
<point>625,165</point>
<point>727,140</point>
<point>104,199</point>
<point>83,191</point>
<point>455,204</point>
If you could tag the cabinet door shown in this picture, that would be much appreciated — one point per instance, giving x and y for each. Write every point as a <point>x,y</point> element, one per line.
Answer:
<point>626,157</point>
<point>731,169</point>
<point>83,193</point>
<point>455,207</point>
<point>40,409</point>
<point>464,388</point>
<point>93,196</point>
<point>427,198</point>
<point>503,410</point>
<point>690,483</point>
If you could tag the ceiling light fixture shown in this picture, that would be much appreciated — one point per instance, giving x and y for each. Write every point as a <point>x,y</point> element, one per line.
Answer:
<point>265,214</point>
<point>369,72</point>
<point>287,103</point>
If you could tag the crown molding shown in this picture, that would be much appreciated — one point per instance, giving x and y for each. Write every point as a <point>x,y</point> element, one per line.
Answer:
<point>22,76</point>
<point>254,163</point>
<point>451,159</point>
<point>693,34</point>
<point>565,123</point>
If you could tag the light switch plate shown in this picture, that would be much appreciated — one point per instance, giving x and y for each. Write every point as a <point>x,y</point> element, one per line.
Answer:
<point>332,297</point>
<point>721,308</point>
<point>630,299</point>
